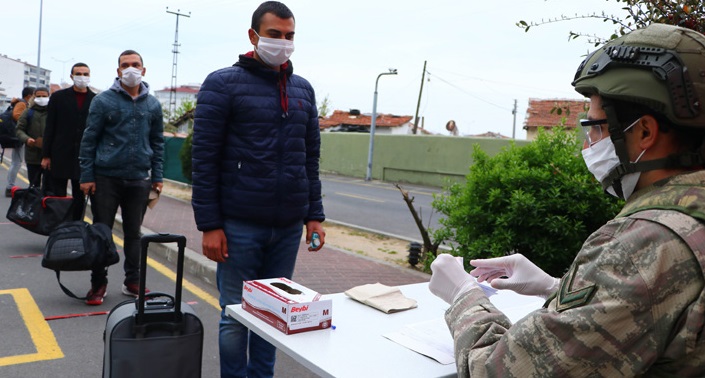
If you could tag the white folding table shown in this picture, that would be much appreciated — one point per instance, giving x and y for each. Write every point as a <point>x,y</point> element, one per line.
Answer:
<point>356,347</point>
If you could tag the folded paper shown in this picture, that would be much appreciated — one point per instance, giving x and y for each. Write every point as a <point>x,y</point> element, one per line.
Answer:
<point>384,298</point>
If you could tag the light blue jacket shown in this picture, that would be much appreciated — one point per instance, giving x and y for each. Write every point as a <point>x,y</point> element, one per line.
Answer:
<point>123,137</point>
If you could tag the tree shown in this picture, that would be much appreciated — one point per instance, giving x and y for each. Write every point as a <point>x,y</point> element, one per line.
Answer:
<point>639,13</point>
<point>185,157</point>
<point>185,107</point>
<point>538,200</point>
<point>324,107</point>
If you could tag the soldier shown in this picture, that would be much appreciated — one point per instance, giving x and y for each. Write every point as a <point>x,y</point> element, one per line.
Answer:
<point>632,302</point>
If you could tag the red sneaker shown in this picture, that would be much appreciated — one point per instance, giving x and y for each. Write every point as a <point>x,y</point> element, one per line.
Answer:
<point>95,295</point>
<point>132,289</point>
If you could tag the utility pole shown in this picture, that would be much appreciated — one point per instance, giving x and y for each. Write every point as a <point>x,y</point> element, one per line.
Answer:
<point>418,104</point>
<point>172,92</point>
<point>514,112</point>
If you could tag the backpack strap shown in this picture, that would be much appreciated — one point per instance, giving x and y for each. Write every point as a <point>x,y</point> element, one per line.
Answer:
<point>65,289</point>
<point>689,229</point>
<point>692,232</point>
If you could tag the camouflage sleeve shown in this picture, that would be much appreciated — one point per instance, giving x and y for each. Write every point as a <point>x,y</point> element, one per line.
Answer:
<point>615,313</point>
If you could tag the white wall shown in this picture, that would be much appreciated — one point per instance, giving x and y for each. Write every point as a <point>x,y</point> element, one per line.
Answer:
<point>11,79</point>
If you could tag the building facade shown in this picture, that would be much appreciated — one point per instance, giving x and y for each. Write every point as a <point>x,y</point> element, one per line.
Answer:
<point>16,75</point>
<point>182,93</point>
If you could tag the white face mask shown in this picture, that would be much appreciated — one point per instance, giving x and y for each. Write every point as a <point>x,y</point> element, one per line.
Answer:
<point>274,51</point>
<point>41,101</point>
<point>81,82</point>
<point>601,158</point>
<point>131,77</point>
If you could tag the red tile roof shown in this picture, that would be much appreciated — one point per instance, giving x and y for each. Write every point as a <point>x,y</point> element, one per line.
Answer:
<point>539,112</point>
<point>181,89</point>
<point>340,117</point>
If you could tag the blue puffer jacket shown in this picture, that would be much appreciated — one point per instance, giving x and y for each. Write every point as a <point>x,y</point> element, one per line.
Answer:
<point>124,137</point>
<point>256,148</point>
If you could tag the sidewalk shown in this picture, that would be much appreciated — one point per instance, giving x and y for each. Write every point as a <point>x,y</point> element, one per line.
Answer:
<point>329,270</point>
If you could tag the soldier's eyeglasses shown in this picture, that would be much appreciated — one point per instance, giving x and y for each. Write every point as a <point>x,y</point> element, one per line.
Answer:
<point>592,128</point>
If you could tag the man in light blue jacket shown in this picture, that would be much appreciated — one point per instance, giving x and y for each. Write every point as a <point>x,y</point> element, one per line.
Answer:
<point>121,157</point>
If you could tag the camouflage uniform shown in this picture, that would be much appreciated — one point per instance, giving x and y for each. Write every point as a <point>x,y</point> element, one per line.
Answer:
<point>632,303</point>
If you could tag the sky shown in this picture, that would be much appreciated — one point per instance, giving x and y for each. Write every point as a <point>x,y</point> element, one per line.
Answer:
<point>478,62</point>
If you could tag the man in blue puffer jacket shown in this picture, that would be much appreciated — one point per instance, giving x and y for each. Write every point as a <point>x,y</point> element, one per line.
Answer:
<point>256,150</point>
<point>121,159</point>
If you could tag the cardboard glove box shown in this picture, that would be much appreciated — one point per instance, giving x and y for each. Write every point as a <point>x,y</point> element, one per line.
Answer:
<point>287,306</point>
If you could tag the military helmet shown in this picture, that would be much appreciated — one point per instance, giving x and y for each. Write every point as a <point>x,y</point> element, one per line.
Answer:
<point>660,66</point>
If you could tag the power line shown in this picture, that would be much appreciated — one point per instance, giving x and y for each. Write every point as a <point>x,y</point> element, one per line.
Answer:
<point>468,93</point>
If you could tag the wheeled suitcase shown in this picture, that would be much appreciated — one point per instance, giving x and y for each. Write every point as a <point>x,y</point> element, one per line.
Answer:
<point>155,335</point>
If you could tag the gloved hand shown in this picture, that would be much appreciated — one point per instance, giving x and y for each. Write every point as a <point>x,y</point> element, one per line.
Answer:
<point>522,275</point>
<point>449,278</point>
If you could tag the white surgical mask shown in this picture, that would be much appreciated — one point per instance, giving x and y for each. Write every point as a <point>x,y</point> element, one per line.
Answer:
<point>601,158</point>
<point>274,51</point>
<point>41,101</point>
<point>131,76</point>
<point>81,82</point>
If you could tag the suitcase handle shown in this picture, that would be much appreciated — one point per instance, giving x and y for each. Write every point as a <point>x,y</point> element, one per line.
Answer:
<point>160,238</point>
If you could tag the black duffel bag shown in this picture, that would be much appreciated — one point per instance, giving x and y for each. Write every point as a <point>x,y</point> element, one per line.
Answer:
<point>78,245</point>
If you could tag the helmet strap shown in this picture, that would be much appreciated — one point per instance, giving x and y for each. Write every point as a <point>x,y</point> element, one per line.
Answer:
<point>613,179</point>
<point>620,147</point>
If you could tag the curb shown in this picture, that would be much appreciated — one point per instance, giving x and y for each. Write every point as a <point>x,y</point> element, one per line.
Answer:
<point>194,263</point>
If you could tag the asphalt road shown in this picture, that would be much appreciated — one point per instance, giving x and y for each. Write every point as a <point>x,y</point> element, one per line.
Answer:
<point>72,344</point>
<point>378,206</point>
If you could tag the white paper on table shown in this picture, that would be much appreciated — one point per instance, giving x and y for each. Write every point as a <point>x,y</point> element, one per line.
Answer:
<point>431,338</point>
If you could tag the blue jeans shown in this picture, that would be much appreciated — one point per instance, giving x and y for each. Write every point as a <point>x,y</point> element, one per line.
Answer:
<point>254,252</point>
<point>131,196</point>
<point>15,165</point>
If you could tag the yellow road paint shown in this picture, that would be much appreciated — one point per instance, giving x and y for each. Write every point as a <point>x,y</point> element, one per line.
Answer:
<point>40,332</point>
<point>195,290</point>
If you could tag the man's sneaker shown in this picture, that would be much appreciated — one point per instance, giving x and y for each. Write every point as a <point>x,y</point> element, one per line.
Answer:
<point>8,192</point>
<point>132,289</point>
<point>95,295</point>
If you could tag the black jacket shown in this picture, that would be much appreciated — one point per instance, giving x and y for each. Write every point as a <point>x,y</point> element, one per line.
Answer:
<point>63,133</point>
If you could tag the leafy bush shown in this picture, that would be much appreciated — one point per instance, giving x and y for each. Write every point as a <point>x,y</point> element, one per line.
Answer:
<point>185,156</point>
<point>538,200</point>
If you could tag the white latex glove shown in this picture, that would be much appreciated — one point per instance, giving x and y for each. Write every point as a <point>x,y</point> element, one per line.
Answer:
<point>522,275</point>
<point>449,278</point>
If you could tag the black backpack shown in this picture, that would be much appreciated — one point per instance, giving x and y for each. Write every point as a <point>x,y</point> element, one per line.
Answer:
<point>8,127</point>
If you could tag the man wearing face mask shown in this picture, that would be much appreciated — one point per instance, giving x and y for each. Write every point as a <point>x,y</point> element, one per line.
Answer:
<point>66,120</point>
<point>121,158</point>
<point>30,131</point>
<point>256,149</point>
<point>633,301</point>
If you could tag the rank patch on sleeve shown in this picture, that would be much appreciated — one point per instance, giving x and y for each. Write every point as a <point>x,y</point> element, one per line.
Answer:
<point>569,297</point>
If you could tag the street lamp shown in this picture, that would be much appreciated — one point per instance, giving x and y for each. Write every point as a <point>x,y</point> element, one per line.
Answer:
<point>368,177</point>
<point>39,45</point>
<point>63,67</point>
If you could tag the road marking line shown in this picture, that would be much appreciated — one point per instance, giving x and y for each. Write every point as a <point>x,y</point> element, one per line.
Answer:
<point>381,185</point>
<point>359,197</point>
<point>195,290</point>
<point>161,268</point>
<point>39,330</point>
